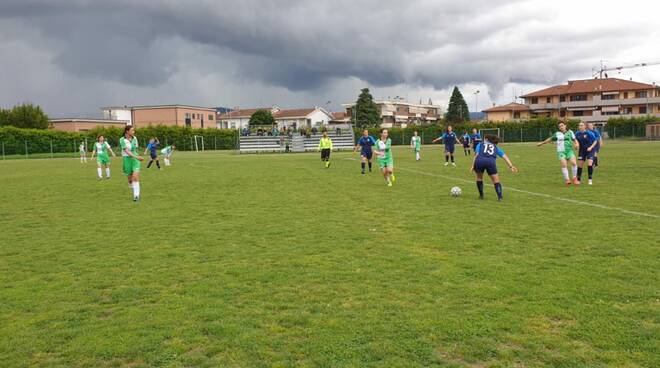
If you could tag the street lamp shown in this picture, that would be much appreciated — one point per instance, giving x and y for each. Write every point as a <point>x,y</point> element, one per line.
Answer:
<point>476,101</point>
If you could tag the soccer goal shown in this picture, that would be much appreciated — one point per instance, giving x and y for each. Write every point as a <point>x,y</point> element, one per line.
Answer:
<point>199,143</point>
<point>491,131</point>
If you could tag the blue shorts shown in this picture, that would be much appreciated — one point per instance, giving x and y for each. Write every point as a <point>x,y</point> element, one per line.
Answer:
<point>583,155</point>
<point>596,148</point>
<point>449,148</point>
<point>466,145</point>
<point>481,165</point>
<point>153,155</point>
<point>368,154</point>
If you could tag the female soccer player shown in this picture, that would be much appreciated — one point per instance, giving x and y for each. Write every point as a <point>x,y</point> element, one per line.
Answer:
<point>83,153</point>
<point>466,143</point>
<point>599,140</point>
<point>485,160</point>
<point>587,141</point>
<point>101,148</point>
<point>365,143</point>
<point>566,143</point>
<point>152,147</point>
<point>131,167</point>
<point>383,151</point>
<point>449,138</point>
<point>475,138</point>
<point>325,146</point>
<point>167,153</point>
<point>416,145</point>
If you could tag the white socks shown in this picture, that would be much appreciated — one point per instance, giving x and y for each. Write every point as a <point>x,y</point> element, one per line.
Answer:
<point>167,161</point>
<point>100,172</point>
<point>107,171</point>
<point>417,155</point>
<point>575,171</point>
<point>564,171</point>
<point>136,189</point>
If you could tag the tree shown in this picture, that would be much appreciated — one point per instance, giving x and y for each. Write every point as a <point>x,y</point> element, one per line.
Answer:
<point>262,117</point>
<point>27,116</point>
<point>4,117</point>
<point>457,111</point>
<point>366,111</point>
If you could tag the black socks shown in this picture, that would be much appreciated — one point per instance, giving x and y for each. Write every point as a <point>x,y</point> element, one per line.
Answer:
<point>579,173</point>
<point>590,170</point>
<point>498,190</point>
<point>480,186</point>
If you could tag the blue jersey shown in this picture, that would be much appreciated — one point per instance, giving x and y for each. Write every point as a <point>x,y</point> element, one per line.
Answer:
<point>448,138</point>
<point>596,134</point>
<point>475,138</point>
<point>488,151</point>
<point>586,139</point>
<point>466,139</point>
<point>152,148</point>
<point>366,143</point>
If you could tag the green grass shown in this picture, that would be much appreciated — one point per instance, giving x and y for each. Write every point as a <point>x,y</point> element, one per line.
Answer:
<point>273,261</point>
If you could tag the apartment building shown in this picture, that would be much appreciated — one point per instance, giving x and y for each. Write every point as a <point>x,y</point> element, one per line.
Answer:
<point>173,115</point>
<point>508,112</point>
<point>595,100</point>
<point>284,118</point>
<point>396,113</point>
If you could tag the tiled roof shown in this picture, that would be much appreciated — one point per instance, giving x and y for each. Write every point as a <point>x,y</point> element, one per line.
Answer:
<point>513,106</point>
<point>591,85</point>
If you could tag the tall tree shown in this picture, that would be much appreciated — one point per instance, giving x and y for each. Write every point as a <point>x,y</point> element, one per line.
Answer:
<point>27,116</point>
<point>262,117</point>
<point>366,111</point>
<point>4,117</point>
<point>457,111</point>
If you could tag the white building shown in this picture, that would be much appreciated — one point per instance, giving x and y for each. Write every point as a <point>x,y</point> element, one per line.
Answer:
<point>118,113</point>
<point>398,113</point>
<point>291,118</point>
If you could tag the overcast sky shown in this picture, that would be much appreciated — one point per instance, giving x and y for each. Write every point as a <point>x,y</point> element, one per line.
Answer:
<point>73,56</point>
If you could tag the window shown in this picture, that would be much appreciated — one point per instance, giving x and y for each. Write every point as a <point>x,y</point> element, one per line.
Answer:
<point>548,99</point>
<point>625,94</point>
<point>641,94</point>
<point>516,115</point>
<point>210,116</point>
<point>611,113</point>
<point>535,100</point>
<point>562,113</point>
<point>627,110</point>
<point>642,109</point>
<point>562,98</point>
<point>608,97</point>
<point>582,97</point>
<point>187,115</point>
<point>578,113</point>
<point>188,123</point>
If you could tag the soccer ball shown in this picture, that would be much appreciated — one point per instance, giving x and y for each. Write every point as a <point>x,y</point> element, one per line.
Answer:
<point>455,192</point>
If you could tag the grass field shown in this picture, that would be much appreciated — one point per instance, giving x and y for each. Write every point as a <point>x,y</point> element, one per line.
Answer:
<point>273,261</point>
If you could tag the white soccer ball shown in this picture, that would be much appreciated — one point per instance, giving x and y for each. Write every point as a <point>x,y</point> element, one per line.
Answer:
<point>455,192</point>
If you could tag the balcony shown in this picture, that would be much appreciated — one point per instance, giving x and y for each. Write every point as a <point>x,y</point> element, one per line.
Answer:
<point>604,118</point>
<point>595,103</point>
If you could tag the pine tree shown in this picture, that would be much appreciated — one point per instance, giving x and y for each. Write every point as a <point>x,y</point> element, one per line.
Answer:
<point>366,111</point>
<point>457,111</point>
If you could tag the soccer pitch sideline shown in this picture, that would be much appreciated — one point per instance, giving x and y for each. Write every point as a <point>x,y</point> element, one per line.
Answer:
<point>272,260</point>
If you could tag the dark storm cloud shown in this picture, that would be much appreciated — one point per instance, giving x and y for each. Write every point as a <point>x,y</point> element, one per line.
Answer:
<point>302,45</point>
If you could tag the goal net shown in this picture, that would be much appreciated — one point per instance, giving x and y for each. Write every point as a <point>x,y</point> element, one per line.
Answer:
<point>491,131</point>
<point>199,143</point>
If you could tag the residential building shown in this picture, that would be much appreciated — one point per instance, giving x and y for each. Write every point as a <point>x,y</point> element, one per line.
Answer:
<point>289,118</point>
<point>595,100</point>
<point>508,112</point>
<point>172,115</point>
<point>340,117</point>
<point>653,130</point>
<point>84,124</point>
<point>397,113</point>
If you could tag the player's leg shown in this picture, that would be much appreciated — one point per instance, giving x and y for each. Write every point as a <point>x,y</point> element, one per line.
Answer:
<point>99,169</point>
<point>480,183</point>
<point>363,163</point>
<point>564,170</point>
<point>451,155</point>
<point>369,159</point>
<point>574,168</point>
<point>590,170</point>
<point>417,156</point>
<point>107,170</point>
<point>580,164</point>
<point>327,158</point>
<point>446,156</point>
<point>136,186</point>
<point>491,169</point>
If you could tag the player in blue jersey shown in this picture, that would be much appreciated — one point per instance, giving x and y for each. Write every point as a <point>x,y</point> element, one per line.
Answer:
<point>152,148</point>
<point>449,138</point>
<point>365,143</point>
<point>466,143</point>
<point>599,140</point>
<point>475,138</point>
<point>485,159</point>
<point>588,142</point>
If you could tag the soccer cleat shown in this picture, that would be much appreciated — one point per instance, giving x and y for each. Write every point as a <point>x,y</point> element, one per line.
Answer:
<point>389,183</point>
<point>481,197</point>
<point>453,164</point>
<point>568,182</point>
<point>446,163</point>
<point>362,172</point>
<point>591,182</point>
<point>393,178</point>
<point>136,199</point>
<point>576,181</point>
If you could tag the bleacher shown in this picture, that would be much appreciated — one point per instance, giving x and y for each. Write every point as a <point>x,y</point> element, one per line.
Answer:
<point>256,144</point>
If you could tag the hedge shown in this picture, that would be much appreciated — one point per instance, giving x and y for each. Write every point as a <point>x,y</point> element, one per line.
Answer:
<point>15,141</point>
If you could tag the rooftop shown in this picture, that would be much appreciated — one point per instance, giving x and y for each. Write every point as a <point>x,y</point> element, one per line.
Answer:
<point>591,85</point>
<point>513,106</point>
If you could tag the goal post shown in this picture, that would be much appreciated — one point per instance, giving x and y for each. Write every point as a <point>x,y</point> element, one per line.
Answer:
<point>491,131</point>
<point>199,143</point>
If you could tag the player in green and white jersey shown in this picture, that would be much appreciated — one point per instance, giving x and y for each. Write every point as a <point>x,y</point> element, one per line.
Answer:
<point>101,148</point>
<point>131,164</point>
<point>416,145</point>
<point>567,144</point>
<point>83,153</point>
<point>383,151</point>
<point>167,154</point>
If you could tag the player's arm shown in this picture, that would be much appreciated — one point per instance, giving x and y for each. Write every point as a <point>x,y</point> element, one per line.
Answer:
<point>131,154</point>
<point>544,142</point>
<point>93,152</point>
<point>111,151</point>
<point>576,144</point>
<point>145,150</point>
<point>457,140</point>
<point>438,139</point>
<point>356,147</point>
<point>600,140</point>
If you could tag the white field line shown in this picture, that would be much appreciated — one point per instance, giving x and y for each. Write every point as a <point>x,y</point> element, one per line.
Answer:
<point>568,200</point>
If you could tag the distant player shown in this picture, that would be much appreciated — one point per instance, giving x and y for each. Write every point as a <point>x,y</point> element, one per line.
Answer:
<point>475,138</point>
<point>485,157</point>
<point>325,146</point>
<point>449,138</point>
<point>83,153</point>
<point>365,143</point>
<point>466,143</point>
<point>101,148</point>
<point>383,151</point>
<point>131,164</point>
<point>566,146</point>
<point>588,142</point>
<point>167,154</point>
<point>152,148</point>
<point>416,145</point>
<point>599,140</point>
